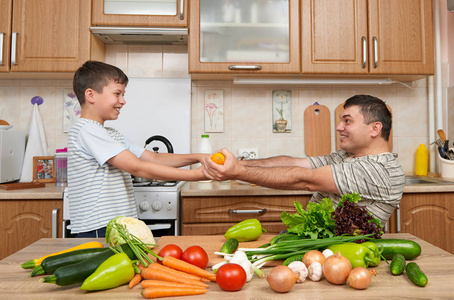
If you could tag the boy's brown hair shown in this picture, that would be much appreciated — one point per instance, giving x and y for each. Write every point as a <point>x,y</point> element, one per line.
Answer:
<point>96,75</point>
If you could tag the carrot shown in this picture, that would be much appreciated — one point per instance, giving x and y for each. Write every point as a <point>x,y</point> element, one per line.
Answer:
<point>160,267</point>
<point>150,293</point>
<point>181,265</point>
<point>135,280</point>
<point>165,276</point>
<point>160,283</point>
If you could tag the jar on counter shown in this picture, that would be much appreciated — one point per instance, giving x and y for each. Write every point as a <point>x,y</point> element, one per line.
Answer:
<point>61,166</point>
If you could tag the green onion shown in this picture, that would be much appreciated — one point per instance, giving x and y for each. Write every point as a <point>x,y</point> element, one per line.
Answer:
<point>286,248</point>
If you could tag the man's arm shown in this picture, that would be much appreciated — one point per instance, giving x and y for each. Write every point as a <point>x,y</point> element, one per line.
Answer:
<point>287,177</point>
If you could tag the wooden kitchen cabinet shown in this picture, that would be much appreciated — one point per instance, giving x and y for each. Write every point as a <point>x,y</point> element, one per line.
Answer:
<point>214,215</point>
<point>23,222</point>
<point>5,33</point>
<point>376,37</point>
<point>244,37</point>
<point>429,216</point>
<point>179,19</point>
<point>47,35</point>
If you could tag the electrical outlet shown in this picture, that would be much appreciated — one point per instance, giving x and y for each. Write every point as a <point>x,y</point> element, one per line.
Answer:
<point>249,153</point>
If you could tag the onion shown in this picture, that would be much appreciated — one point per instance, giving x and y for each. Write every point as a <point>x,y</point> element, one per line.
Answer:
<point>336,268</point>
<point>360,278</point>
<point>281,279</point>
<point>313,256</point>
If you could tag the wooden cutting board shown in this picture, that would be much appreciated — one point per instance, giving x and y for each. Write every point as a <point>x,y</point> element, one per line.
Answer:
<point>337,113</point>
<point>19,186</point>
<point>317,130</point>
<point>211,244</point>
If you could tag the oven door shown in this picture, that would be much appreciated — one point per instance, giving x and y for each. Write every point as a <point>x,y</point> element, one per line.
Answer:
<point>162,227</point>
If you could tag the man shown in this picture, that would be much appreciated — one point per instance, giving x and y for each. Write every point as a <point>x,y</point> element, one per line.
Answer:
<point>364,164</point>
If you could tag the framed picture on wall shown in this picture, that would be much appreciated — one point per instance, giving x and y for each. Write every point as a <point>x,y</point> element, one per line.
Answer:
<point>43,169</point>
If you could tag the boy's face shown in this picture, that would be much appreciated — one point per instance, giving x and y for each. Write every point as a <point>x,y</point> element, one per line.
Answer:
<point>109,103</point>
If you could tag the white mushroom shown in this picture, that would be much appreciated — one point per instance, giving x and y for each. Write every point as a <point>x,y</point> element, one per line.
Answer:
<point>327,253</point>
<point>315,271</point>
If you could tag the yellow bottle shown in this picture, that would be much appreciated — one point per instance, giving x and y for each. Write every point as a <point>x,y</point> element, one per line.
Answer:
<point>422,160</point>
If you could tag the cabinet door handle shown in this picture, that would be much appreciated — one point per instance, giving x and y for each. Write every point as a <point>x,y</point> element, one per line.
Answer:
<point>375,52</point>
<point>13,48</point>
<point>1,48</point>
<point>364,41</point>
<point>398,218</point>
<point>236,67</point>
<point>247,211</point>
<point>54,222</point>
<point>181,9</point>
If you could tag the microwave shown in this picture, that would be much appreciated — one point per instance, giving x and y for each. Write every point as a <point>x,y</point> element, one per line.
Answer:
<point>12,150</point>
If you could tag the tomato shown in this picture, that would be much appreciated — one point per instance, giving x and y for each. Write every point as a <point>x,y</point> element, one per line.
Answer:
<point>196,256</point>
<point>170,250</point>
<point>231,277</point>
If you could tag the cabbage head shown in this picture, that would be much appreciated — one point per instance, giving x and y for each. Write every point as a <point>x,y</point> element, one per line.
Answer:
<point>134,226</point>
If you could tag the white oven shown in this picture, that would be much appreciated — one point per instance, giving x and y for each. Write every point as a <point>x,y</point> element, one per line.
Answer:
<point>158,205</point>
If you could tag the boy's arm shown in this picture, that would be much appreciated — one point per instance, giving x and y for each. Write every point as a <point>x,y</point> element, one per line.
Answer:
<point>173,160</point>
<point>128,162</point>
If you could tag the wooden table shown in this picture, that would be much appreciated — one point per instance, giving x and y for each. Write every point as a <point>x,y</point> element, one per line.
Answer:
<point>438,265</point>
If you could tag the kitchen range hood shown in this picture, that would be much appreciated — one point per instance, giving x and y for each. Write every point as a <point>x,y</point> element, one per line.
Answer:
<point>137,35</point>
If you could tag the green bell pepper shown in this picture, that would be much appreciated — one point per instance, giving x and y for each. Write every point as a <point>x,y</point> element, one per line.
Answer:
<point>358,254</point>
<point>245,231</point>
<point>375,253</point>
<point>114,271</point>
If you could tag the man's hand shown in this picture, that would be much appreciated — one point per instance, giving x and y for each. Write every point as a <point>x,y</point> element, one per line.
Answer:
<point>229,170</point>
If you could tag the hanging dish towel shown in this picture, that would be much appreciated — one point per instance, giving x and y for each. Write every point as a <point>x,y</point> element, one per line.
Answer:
<point>36,145</point>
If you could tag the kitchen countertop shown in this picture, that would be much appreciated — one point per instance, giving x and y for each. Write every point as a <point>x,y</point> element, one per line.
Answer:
<point>234,188</point>
<point>214,188</point>
<point>50,191</point>
<point>438,265</point>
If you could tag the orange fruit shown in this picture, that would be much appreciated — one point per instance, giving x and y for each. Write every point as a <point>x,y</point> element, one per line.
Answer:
<point>218,158</point>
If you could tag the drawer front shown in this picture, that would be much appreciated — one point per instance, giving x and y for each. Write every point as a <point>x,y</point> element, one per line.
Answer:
<point>236,209</point>
<point>220,228</point>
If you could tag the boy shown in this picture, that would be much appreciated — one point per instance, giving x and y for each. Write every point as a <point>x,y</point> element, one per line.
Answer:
<point>101,160</point>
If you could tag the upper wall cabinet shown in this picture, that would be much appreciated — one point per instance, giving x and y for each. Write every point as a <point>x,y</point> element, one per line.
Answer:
<point>46,36</point>
<point>148,13</point>
<point>244,37</point>
<point>367,37</point>
<point>6,7</point>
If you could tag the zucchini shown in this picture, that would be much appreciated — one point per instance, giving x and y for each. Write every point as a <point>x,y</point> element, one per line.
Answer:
<point>390,247</point>
<point>230,246</point>
<point>397,265</point>
<point>50,264</point>
<point>288,260</point>
<point>415,274</point>
<point>77,273</point>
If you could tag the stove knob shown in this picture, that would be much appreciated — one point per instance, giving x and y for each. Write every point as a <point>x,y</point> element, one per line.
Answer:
<point>157,206</point>
<point>144,206</point>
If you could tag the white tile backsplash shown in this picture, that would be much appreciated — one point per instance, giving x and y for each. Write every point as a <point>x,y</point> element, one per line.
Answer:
<point>247,109</point>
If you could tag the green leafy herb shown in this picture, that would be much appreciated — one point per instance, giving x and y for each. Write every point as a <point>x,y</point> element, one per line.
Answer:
<point>315,222</point>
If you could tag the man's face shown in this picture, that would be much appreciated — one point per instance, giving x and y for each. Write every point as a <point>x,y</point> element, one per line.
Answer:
<point>355,135</point>
<point>110,101</point>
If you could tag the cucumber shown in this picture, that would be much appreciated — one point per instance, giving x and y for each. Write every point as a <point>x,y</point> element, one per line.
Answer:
<point>50,264</point>
<point>229,246</point>
<point>288,260</point>
<point>397,265</point>
<point>390,247</point>
<point>78,272</point>
<point>284,237</point>
<point>415,274</point>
